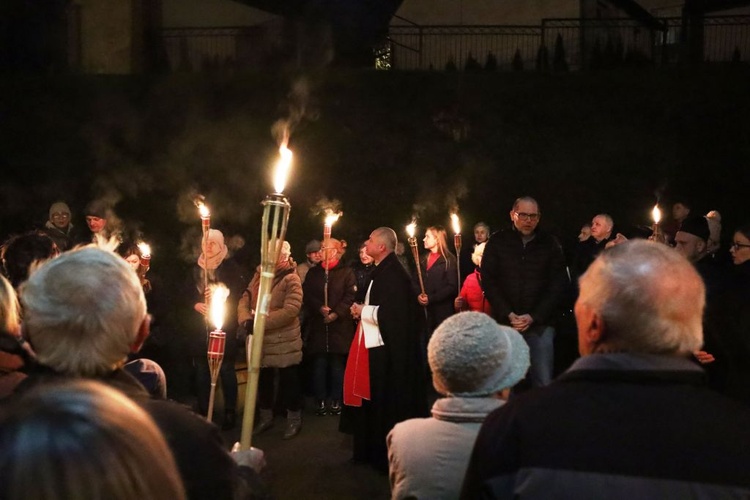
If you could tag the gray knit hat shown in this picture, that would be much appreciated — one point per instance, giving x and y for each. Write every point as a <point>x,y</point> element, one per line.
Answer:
<point>471,355</point>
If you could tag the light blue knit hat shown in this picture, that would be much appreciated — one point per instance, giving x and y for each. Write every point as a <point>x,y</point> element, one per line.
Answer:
<point>471,355</point>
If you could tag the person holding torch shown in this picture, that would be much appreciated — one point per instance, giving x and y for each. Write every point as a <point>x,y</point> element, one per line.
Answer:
<point>440,278</point>
<point>215,266</point>
<point>331,325</point>
<point>282,342</point>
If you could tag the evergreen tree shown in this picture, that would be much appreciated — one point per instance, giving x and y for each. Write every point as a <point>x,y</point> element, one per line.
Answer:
<point>559,64</point>
<point>517,63</point>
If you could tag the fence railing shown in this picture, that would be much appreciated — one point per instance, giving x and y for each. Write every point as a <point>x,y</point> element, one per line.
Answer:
<point>574,43</point>
<point>585,43</point>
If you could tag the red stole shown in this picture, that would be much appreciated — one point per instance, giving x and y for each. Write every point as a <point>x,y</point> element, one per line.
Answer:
<point>357,373</point>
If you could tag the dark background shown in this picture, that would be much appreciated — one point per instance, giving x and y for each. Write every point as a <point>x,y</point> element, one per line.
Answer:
<point>384,145</point>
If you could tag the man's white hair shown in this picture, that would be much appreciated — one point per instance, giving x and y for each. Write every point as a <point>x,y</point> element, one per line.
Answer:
<point>82,311</point>
<point>650,298</point>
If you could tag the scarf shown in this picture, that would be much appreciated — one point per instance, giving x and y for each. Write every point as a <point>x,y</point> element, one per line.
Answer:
<point>213,262</point>
<point>331,264</point>
<point>357,373</point>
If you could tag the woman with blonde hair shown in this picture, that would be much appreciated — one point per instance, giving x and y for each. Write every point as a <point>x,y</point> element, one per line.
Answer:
<point>83,440</point>
<point>440,278</point>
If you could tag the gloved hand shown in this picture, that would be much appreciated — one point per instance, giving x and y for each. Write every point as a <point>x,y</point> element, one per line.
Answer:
<point>253,458</point>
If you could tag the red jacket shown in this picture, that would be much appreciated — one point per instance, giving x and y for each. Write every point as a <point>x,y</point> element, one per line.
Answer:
<point>473,294</point>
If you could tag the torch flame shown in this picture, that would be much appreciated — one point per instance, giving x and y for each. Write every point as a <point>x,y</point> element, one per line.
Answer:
<point>456,223</point>
<point>203,209</point>
<point>331,218</point>
<point>219,294</point>
<point>411,228</point>
<point>656,214</point>
<point>282,168</point>
<point>145,249</point>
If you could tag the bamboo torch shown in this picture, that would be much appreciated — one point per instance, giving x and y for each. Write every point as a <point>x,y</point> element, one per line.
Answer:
<point>327,226</point>
<point>216,341</point>
<point>274,224</point>
<point>205,214</point>
<point>457,243</point>
<point>656,234</point>
<point>410,230</point>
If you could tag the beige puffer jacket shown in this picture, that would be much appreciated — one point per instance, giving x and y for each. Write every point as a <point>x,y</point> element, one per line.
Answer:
<point>282,341</point>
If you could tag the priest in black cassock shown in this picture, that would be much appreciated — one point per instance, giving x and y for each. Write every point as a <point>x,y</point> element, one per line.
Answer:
<point>384,382</point>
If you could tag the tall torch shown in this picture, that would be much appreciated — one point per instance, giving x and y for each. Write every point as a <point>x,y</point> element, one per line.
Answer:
<point>457,243</point>
<point>216,341</point>
<point>327,225</point>
<point>205,214</point>
<point>275,220</point>
<point>410,230</point>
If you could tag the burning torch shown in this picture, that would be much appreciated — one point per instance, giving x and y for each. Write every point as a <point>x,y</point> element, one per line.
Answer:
<point>656,234</point>
<point>205,214</point>
<point>274,224</point>
<point>410,230</point>
<point>216,341</point>
<point>327,226</point>
<point>145,262</point>
<point>457,243</point>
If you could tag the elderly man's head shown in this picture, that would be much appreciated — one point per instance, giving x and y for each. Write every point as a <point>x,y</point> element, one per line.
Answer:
<point>601,227</point>
<point>382,242</point>
<point>640,297</point>
<point>84,312</point>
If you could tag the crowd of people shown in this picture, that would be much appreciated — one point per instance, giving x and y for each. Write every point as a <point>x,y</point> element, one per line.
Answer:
<point>663,330</point>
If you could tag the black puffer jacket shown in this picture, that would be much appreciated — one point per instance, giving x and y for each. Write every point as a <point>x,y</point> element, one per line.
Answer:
<point>523,279</point>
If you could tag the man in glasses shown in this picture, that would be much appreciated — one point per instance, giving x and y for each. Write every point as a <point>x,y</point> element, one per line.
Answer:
<point>523,277</point>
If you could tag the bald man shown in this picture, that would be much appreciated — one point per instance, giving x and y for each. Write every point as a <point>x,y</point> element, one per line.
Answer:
<point>384,378</point>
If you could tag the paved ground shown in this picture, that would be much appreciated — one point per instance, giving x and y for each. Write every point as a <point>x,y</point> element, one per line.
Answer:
<point>315,464</point>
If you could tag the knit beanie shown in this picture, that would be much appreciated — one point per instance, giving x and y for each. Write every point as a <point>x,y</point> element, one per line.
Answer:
<point>471,355</point>
<point>97,208</point>
<point>59,207</point>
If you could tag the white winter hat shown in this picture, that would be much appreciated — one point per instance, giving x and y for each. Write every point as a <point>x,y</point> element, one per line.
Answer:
<point>471,355</point>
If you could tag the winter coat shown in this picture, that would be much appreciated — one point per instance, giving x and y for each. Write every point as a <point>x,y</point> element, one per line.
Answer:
<point>441,287</point>
<point>282,340</point>
<point>523,278</point>
<point>428,457</point>
<point>473,295</point>
<point>334,337</point>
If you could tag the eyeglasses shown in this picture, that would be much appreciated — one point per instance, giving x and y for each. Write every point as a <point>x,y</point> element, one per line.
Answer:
<point>60,215</point>
<point>525,216</point>
<point>736,246</point>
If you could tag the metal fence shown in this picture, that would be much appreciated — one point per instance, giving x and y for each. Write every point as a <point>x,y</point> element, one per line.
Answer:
<point>586,43</point>
<point>195,49</point>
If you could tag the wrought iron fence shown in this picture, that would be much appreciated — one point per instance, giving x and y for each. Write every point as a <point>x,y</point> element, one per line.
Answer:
<point>575,43</point>
<point>582,43</point>
<point>194,49</point>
